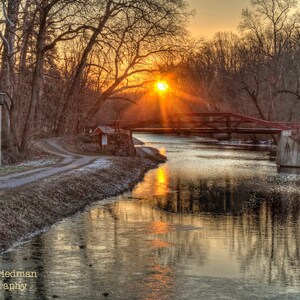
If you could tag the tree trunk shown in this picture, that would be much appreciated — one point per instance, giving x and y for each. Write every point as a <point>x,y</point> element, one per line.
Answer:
<point>7,77</point>
<point>28,23</point>
<point>37,83</point>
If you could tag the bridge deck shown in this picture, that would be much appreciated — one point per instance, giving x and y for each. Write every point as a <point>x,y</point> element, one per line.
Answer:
<point>210,130</point>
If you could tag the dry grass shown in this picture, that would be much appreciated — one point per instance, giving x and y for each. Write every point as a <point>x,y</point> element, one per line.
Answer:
<point>38,205</point>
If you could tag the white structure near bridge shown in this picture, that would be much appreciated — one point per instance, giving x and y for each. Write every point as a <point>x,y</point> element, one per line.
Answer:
<point>288,151</point>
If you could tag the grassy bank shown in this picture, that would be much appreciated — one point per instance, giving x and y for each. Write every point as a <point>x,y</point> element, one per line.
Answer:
<point>28,165</point>
<point>33,207</point>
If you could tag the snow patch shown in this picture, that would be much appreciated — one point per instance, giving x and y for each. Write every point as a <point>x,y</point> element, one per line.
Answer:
<point>101,163</point>
<point>38,163</point>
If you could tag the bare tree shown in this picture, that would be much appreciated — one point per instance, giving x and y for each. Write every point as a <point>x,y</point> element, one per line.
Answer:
<point>54,52</point>
<point>52,15</point>
<point>269,27</point>
<point>7,76</point>
<point>127,36</point>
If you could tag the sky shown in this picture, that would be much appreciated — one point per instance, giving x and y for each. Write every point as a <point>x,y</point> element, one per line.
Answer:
<point>215,15</point>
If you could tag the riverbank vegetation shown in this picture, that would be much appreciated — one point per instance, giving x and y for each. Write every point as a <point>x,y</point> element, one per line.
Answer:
<point>70,64</point>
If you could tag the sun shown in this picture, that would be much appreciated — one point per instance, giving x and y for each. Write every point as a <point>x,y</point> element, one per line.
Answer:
<point>162,86</point>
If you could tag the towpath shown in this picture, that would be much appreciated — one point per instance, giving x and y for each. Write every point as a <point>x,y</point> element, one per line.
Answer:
<point>69,162</point>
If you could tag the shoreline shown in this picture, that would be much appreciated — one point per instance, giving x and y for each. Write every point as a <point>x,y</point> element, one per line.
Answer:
<point>34,207</point>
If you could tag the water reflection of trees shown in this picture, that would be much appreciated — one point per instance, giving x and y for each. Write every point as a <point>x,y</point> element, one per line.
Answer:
<point>264,237</point>
<point>264,234</point>
<point>227,195</point>
<point>272,228</point>
<point>129,241</point>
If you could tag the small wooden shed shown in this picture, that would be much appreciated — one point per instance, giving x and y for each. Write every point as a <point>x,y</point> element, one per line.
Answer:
<point>103,132</point>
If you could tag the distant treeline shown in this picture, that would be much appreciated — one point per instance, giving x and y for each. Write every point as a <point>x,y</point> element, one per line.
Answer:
<point>256,71</point>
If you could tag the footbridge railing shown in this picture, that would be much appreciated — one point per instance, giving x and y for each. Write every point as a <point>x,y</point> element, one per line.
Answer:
<point>208,122</point>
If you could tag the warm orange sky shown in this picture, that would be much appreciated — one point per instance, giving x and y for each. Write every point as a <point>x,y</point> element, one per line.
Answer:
<point>215,15</point>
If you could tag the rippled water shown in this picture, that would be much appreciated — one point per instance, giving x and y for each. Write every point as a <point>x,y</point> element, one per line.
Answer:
<point>214,222</point>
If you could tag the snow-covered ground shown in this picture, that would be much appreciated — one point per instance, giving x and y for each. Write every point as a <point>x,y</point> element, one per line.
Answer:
<point>38,163</point>
<point>101,163</point>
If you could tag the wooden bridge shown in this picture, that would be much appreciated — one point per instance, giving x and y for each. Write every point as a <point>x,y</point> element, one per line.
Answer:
<point>212,122</point>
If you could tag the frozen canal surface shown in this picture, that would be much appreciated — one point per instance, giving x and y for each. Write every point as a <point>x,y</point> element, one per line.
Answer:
<point>214,222</point>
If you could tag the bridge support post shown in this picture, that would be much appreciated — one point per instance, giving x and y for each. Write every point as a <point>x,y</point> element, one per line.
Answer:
<point>288,150</point>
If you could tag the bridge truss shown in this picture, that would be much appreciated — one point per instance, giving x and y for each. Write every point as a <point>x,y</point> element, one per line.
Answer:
<point>212,122</point>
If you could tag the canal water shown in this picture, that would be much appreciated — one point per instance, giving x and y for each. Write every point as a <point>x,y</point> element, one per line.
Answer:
<point>217,221</point>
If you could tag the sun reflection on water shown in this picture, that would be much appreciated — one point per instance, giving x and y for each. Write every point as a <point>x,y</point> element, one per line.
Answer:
<point>163,151</point>
<point>162,182</point>
<point>159,227</point>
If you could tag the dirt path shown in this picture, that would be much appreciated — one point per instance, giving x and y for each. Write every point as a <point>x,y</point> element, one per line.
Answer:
<point>69,162</point>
